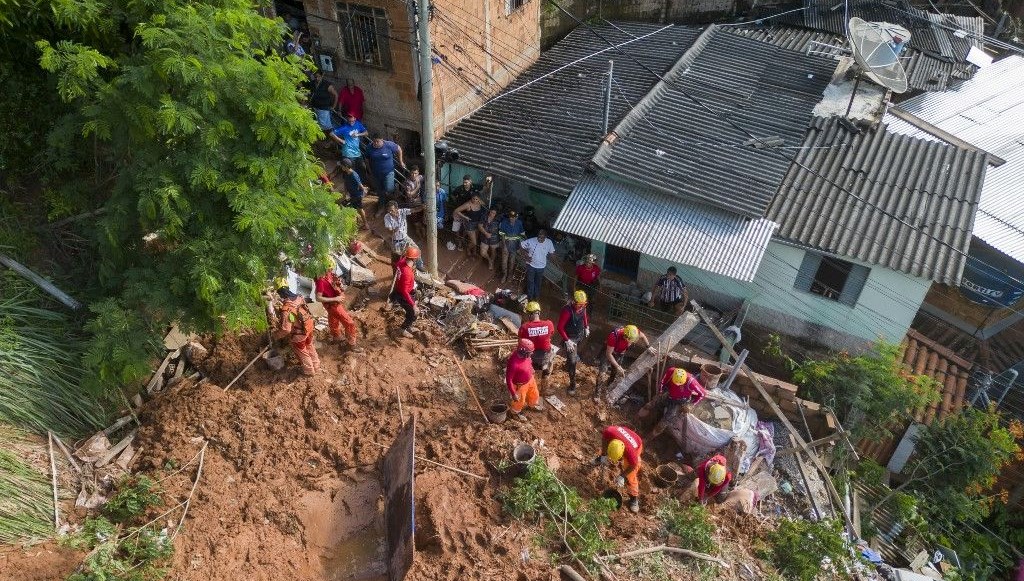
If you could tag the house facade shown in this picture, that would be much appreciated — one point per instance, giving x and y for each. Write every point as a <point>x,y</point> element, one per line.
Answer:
<point>478,48</point>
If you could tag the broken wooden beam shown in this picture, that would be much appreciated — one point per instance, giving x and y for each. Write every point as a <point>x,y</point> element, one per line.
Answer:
<point>647,360</point>
<point>111,453</point>
<point>41,282</point>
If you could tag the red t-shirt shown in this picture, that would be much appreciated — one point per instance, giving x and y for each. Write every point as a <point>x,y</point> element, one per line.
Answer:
<point>588,273</point>
<point>406,281</point>
<point>634,445</point>
<point>351,101</point>
<point>617,341</point>
<point>328,285</point>
<point>702,478</point>
<point>518,370</point>
<point>539,332</point>
<point>691,390</point>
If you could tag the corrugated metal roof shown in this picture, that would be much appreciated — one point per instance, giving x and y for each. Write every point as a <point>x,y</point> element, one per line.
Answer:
<point>931,185</point>
<point>545,133</point>
<point>674,145</point>
<point>987,112</point>
<point>665,226</point>
<point>924,72</point>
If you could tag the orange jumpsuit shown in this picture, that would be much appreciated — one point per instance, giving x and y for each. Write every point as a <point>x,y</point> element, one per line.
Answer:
<point>521,383</point>
<point>329,286</point>
<point>630,457</point>
<point>297,322</point>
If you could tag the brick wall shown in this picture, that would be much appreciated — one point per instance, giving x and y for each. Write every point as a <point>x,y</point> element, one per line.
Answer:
<point>555,24</point>
<point>463,32</point>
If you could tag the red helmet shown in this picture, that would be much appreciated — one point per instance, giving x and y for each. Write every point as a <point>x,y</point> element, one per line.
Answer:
<point>526,345</point>
<point>412,252</point>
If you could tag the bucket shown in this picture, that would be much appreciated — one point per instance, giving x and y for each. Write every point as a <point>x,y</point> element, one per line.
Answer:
<point>614,495</point>
<point>522,456</point>
<point>710,375</point>
<point>665,476</point>
<point>274,359</point>
<point>497,413</point>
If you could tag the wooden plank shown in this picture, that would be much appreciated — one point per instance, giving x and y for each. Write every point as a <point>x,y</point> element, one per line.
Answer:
<point>647,360</point>
<point>41,282</point>
<point>826,478</point>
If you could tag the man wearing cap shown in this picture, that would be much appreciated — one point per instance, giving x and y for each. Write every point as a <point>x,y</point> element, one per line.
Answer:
<point>331,292</point>
<point>396,222</point>
<point>539,332</point>
<point>520,380</point>
<point>405,283</point>
<point>587,278</point>
<point>615,347</point>
<point>297,323</point>
<point>621,443</point>
<point>510,231</point>
<point>573,327</point>
<point>536,252</point>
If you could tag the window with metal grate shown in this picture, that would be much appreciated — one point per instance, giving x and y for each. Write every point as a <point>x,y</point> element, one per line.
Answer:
<point>364,35</point>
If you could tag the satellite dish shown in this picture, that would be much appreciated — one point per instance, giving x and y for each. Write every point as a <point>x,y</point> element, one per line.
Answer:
<point>876,48</point>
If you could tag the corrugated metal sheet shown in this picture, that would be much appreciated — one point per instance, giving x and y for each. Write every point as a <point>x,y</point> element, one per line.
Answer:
<point>676,146</point>
<point>665,226</point>
<point>933,186</point>
<point>922,356</point>
<point>988,112</point>
<point>546,133</point>
<point>924,71</point>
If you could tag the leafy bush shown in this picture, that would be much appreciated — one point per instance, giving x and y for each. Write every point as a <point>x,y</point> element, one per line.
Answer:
<point>571,523</point>
<point>799,548</point>
<point>140,555</point>
<point>135,494</point>
<point>690,523</point>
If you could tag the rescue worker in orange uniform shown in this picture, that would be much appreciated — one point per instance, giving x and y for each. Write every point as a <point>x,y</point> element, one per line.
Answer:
<point>520,380</point>
<point>621,443</point>
<point>540,333</point>
<point>713,479</point>
<point>331,292</point>
<point>296,322</point>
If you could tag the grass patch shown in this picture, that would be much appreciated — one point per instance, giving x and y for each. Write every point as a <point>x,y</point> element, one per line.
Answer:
<point>26,498</point>
<point>799,549</point>
<point>40,385</point>
<point>691,523</point>
<point>569,523</point>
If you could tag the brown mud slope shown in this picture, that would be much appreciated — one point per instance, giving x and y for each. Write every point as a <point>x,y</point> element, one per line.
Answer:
<point>43,562</point>
<point>287,489</point>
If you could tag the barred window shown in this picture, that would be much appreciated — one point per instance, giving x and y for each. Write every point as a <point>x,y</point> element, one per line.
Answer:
<point>513,5</point>
<point>364,35</point>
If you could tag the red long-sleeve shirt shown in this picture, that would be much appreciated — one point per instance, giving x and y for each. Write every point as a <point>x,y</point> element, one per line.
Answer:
<point>570,312</point>
<point>518,370</point>
<point>691,390</point>
<point>634,445</point>
<point>702,478</point>
<point>539,332</point>
<point>406,281</point>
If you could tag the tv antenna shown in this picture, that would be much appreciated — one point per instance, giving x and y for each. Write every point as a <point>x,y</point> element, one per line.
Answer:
<point>876,50</point>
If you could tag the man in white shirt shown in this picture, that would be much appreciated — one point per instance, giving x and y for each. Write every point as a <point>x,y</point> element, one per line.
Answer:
<point>396,222</point>
<point>536,251</point>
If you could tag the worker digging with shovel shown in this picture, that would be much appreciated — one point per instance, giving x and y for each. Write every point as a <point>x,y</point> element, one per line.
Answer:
<point>297,323</point>
<point>619,443</point>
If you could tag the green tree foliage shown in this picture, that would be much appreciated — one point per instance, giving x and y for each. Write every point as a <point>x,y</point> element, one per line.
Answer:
<point>801,549</point>
<point>871,392</point>
<point>180,120</point>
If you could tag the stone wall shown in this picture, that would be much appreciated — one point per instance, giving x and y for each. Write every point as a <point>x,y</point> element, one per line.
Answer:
<point>481,48</point>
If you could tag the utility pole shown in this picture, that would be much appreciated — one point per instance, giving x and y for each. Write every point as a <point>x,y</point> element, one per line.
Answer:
<point>427,134</point>
<point>608,96</point>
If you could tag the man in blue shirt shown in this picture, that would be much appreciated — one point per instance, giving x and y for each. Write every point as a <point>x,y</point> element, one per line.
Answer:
<point>382,155</point>
<point>511,231</point>
<point>347,135</point>
<point>354,188</point>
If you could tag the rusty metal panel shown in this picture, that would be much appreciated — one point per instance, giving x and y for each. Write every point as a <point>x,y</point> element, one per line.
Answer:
<point>396,469</point>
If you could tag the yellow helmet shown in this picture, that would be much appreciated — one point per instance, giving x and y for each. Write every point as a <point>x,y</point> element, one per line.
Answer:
<point>615,450</point>
<point>716,473</point>
<point>579,297</point>
<point>533,307</point>
<point>280,282</point>
<point>631,333</point>
<point>679,376</point>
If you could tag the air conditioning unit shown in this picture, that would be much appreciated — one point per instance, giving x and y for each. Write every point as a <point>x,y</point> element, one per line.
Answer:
<point>326,63</point>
